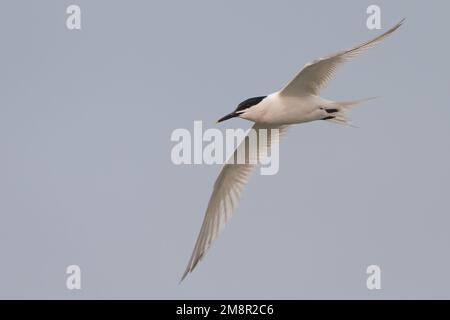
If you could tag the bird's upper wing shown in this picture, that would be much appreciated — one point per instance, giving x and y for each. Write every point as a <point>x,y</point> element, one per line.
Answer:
<point>227,190</point>
<point>315,75</point>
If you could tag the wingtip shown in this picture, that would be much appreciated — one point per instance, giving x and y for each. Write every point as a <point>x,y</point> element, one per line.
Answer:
<point>373,98</point>
<point>400,23</point>
<point>184,275</point>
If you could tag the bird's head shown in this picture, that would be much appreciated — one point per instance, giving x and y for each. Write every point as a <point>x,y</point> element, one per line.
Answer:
<point>243,107</point>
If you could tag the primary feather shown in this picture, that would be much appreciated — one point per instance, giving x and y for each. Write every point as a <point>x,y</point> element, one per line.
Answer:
<point>227,190</point>
<point>315,75</point>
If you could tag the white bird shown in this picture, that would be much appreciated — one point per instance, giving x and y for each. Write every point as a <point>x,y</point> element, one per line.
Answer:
<point>297,102</point>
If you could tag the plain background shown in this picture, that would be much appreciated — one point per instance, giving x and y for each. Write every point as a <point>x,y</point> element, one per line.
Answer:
<point>86,176</point>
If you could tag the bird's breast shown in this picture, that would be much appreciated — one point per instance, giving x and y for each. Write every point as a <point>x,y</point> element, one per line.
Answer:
<point>280,110</point>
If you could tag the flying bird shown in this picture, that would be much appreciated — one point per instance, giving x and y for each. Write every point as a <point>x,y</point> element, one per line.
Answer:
<point>298,102</point>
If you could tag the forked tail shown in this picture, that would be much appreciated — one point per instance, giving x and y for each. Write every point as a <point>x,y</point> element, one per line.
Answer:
<point>336,110</point>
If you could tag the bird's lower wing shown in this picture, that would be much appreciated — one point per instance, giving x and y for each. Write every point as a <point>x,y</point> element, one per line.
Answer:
<point>228,187</point>
<point>315,75</point>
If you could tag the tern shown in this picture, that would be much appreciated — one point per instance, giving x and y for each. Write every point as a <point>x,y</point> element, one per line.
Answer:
<point>298,102</point>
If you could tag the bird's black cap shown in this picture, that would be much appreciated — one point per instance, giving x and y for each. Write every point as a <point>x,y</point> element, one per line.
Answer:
<point>243,106</point>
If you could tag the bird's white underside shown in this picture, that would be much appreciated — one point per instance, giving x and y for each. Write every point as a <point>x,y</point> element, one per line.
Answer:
<point>297,102</point>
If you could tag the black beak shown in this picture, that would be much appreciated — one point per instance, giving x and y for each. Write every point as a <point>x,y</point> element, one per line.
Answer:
<point>228,116</point>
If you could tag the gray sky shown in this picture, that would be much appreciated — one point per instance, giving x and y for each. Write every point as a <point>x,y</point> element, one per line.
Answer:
<point>86,176</point>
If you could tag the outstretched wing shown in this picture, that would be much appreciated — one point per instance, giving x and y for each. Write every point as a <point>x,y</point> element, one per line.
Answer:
<point>227,190</point>
<point>315,75</point>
